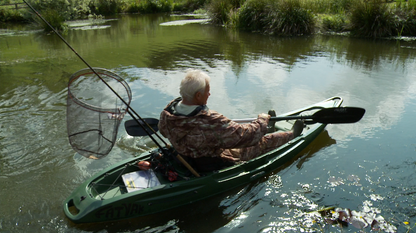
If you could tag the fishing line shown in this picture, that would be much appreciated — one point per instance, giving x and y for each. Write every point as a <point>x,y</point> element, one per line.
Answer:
<point>129,109</point>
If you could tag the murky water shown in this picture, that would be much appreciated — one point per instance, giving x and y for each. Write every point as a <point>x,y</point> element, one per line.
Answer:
<point>366,167</point>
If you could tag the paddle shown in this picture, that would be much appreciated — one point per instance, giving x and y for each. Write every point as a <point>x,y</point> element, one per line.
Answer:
<point>340,115</point>
<point>134,129</point>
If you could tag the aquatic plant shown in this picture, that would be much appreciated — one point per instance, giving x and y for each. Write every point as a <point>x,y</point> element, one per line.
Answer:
<point>372,19</point>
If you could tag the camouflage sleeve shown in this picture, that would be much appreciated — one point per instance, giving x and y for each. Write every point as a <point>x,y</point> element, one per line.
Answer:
<point>225,133</point>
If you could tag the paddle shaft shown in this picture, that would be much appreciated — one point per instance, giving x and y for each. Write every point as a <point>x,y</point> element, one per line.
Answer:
<point>242,120</point>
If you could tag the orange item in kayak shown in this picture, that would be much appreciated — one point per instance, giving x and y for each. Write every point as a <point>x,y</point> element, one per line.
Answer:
<point>144,165</point>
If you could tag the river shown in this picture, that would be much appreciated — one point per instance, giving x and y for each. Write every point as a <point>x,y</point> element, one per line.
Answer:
<point>367,167</point>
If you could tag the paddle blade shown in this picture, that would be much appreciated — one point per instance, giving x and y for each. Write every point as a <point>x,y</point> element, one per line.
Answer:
<point>134,129</point>
<point>340,115</point>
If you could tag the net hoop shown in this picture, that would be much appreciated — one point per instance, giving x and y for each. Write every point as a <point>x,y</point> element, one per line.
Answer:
<point>102,72</point>
<point>94,111</point>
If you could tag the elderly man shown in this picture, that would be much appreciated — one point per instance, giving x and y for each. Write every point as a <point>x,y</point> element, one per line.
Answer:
<point>211,139</point>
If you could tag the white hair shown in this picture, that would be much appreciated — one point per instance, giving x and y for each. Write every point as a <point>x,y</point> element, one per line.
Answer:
<point>194,81</point>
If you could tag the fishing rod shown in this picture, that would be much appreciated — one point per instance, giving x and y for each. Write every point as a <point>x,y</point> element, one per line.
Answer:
<point>130,110</point>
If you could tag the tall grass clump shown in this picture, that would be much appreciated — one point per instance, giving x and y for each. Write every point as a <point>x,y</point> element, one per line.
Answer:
<point>372,19</point>
<point>220,11</point>
<point>291,18</point>
<point>279,17</point>
<point>254,15</point>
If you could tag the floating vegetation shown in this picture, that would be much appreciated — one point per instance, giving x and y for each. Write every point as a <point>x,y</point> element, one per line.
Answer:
<point>368,217</point>
<point>183,22</point>
<point>90,24</point>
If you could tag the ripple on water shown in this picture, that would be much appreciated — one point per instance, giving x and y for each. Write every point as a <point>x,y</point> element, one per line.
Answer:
<point>30,119</point>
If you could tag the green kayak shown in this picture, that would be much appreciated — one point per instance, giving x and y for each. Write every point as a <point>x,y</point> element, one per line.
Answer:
<point>127,190</point>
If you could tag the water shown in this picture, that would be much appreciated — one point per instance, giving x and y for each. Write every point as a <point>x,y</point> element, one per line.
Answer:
<point>366,166</point>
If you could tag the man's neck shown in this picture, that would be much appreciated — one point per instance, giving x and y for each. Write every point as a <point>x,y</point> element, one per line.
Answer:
<point>186,102</point>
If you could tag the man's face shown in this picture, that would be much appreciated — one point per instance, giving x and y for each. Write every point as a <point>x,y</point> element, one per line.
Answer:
<point>202,98</point>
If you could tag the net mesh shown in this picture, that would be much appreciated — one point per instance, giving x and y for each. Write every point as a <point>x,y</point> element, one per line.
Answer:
<point>94,111</point>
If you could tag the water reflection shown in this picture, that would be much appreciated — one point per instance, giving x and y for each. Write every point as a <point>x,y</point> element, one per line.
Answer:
<point>349,166</point>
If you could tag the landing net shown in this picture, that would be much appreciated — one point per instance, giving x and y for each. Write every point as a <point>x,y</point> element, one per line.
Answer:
<point>94,111</point>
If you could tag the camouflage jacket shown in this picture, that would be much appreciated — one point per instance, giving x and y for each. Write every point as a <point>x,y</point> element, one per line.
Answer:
<point>206,133</point>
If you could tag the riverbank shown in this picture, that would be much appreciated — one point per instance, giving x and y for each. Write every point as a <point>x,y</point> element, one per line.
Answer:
<point>370,18</point>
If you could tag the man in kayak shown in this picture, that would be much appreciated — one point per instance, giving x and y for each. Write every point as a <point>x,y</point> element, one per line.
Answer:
<point>210,138</point>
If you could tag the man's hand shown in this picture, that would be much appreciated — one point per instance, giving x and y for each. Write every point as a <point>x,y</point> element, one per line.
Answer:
<point>264,115</point>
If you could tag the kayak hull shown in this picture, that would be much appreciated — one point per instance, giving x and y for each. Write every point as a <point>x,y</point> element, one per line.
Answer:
<point>104,196</point>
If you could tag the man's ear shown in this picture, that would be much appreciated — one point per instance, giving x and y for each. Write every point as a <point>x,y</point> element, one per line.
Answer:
<point>198,95</point>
